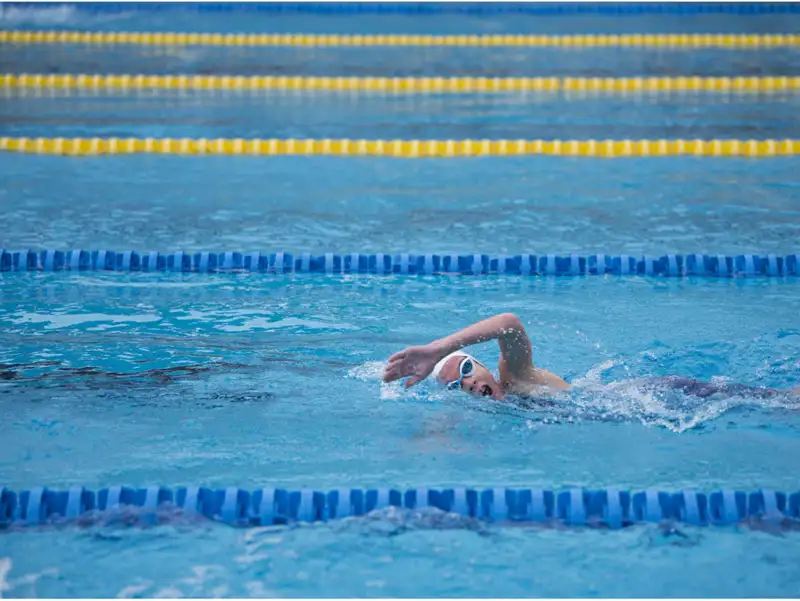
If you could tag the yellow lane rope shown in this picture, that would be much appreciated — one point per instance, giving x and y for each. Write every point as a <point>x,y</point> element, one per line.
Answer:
<point>677,40</point>
<point>404,148</point>
<point>401,84</point>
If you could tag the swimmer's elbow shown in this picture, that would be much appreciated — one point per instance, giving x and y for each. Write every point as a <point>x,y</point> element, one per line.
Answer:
<point>509,321</point>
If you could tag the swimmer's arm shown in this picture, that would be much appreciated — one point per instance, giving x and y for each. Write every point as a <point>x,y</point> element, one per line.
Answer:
<point>417,362</point>
<point>516,354</point>
<point>507,329</point>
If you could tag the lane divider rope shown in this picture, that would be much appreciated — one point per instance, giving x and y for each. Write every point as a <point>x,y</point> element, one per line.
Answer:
<point>123,82</point>
<point>638,40</point>
<point>670,265</point>
<point>403,148</point>
<point>268,506</point>
<point>475,8</point>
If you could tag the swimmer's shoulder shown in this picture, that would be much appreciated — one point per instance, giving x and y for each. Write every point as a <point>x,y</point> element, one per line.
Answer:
<point>534,379</point>
<point>551,380</point>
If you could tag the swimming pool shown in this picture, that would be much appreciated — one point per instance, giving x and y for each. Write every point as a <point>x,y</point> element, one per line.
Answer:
<point>253,379</point>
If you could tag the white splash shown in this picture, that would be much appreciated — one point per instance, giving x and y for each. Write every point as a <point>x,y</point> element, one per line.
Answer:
<point>391,391</point>
<point>372,371</point>
<point>5,568</point>
<point>637,399</point>
<point>369,371</point>
<point>594,376</point>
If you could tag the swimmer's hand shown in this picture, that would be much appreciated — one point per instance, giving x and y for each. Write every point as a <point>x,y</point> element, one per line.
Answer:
<point>415,363</point>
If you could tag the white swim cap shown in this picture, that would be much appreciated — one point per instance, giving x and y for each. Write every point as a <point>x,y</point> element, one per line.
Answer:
<point>437,370</point>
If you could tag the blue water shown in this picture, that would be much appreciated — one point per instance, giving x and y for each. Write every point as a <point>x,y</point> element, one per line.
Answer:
<point>253,380</point>
<point>439,116</point>
<point>489,205</point>
<point>286,390</point>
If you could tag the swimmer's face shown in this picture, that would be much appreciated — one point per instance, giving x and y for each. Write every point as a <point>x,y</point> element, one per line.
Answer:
<point>479,383</point>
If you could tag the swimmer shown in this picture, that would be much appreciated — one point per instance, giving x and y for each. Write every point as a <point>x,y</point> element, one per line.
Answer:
<point>457,370</point>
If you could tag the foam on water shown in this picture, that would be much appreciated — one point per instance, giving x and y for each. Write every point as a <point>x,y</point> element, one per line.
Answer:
<point>671,409</point>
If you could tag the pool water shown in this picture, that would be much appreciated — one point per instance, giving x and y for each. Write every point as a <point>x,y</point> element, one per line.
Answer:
<point>282,386</point>
<point>251,380</point>
<point>320,204</point>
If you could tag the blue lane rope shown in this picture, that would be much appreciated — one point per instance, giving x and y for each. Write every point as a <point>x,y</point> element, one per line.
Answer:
<point>478,8</point>
<point>268,506</point>
<point>769,265</point>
